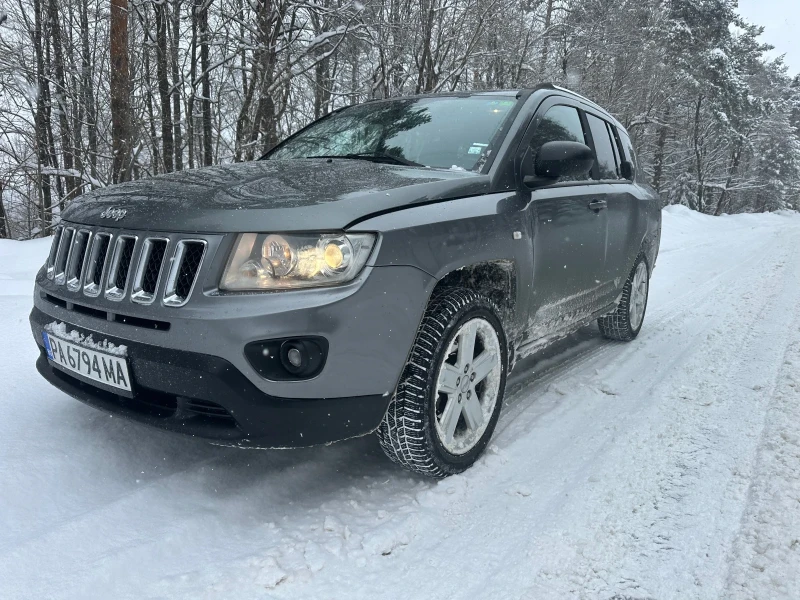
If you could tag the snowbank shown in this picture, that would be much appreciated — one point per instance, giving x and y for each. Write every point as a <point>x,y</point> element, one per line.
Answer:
<point>19,263</point>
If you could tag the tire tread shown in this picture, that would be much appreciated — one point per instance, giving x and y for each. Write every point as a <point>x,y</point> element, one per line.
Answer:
<point>617,325</point>
<point>402,431</point>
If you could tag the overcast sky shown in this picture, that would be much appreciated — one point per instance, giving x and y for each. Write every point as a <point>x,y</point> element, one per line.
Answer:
<point>781,19</point>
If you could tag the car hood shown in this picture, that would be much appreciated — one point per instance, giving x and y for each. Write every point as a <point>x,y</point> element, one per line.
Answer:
<point>285,195</point>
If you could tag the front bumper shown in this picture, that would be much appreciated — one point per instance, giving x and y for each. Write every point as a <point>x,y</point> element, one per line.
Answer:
<point>207,397</point>
<point>191,374</point>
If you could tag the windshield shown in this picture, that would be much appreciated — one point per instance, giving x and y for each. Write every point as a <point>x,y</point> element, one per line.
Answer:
<point>445,132</point>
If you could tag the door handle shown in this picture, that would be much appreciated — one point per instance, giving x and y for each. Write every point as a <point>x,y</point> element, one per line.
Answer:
<point>598,205</point>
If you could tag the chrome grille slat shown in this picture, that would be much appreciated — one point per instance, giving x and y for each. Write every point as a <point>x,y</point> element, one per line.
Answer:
<point>62,256</point>
<point>75,264</point>
<point>148,270</point>
<point>119,269</point>
<point>51,258</point>
<point>184,271</point>
<point>95,264</point>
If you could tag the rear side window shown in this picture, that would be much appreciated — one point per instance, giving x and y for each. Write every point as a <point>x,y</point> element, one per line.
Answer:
<point>559,124</point>
<point>606,159</point>
<point>630,155</point>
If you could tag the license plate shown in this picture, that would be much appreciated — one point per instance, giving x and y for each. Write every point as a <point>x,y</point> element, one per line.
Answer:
<point>93,365</point>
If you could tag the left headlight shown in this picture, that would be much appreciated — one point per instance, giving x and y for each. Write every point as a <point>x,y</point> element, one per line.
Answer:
<point>262,261</point>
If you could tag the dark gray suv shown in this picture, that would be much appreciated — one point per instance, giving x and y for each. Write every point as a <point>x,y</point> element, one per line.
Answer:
<point>379,271</point>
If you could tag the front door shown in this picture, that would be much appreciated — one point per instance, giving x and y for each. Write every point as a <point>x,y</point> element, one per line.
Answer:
<point>569,235</point>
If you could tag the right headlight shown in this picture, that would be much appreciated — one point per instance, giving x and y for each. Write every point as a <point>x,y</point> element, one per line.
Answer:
<point>261,261</point>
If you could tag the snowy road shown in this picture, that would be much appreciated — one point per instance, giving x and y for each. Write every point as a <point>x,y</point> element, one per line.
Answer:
<point>664,468</point>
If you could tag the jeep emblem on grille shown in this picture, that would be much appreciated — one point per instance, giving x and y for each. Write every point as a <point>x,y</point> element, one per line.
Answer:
<point>113,213</point>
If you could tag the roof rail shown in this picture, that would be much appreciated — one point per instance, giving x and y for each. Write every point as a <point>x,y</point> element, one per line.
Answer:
<point>592,103</point>
<point>552,86</point>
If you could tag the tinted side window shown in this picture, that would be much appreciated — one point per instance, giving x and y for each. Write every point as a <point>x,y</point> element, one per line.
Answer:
<point>559,124</point>
<point>630,155</point>
<point>604,151</point>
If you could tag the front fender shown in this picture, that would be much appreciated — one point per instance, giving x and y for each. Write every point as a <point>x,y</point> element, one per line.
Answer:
<point>442,237</point>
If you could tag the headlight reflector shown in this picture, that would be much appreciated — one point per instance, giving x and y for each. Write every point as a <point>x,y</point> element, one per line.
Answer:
<point>274,262</point>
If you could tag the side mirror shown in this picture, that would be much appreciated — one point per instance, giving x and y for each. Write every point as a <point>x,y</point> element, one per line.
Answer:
<point>627,170</point>
<point>561,159</point>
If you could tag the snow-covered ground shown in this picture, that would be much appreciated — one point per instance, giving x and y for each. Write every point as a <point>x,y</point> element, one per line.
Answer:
<point>664,468</point>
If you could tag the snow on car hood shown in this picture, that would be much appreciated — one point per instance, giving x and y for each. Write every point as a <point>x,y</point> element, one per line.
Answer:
<point>287,195</point>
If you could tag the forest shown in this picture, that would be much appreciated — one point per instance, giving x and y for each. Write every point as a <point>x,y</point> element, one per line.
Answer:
<point>96,92</point>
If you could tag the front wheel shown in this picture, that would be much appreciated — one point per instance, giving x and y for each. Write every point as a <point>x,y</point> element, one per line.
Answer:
<point>448,400</point>
<point>626,321</point>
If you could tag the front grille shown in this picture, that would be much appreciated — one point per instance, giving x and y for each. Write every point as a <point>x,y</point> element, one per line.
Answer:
<point>125,266</point>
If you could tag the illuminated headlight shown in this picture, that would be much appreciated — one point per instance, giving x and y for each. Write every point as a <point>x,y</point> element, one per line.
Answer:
<point>275,262</point>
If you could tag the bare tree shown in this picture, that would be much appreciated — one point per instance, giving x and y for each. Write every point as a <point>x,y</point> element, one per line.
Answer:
<point>121,120</point>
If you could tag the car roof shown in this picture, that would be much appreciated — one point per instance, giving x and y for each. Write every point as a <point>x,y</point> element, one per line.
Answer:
<point>519,92</point>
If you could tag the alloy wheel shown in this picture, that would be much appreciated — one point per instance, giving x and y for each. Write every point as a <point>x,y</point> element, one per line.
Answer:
<point>468,385</point>
<point>638,299</point>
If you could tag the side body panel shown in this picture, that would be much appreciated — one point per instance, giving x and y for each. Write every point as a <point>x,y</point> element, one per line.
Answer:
<point>569,258</point>
<point>445,237</point>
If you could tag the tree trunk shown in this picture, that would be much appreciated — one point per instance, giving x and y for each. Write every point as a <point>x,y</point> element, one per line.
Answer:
<point>67,149</point>
<point>40,124</point>
<point>208,158</point>
<point>322,88</point>
<point>658,167</point>
<point>155,161</point>
<point>87,90</point>
<point>5,231</point>
<point>736,155</point>
<point>698,154</point>
<point>190,125</point>
<point>548,19</point>
<point>177,82</point>
<point>167,143</point>
<point>121,121</point>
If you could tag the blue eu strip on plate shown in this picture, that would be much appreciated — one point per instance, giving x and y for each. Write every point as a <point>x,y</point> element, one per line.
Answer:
<point>47,345</point>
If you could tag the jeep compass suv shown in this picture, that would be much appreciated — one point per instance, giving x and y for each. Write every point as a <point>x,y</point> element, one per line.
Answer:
<point>379,271</point>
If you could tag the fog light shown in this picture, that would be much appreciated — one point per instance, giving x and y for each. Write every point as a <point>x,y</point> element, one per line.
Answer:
<point>295,357</point>
<point>288,359</point>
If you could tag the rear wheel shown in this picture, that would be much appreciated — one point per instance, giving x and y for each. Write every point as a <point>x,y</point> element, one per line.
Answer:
<point>626,321</point>
<point>449,396</point>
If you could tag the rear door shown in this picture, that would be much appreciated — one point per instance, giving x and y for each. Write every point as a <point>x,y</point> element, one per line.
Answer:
<point>620,206</point>
<point>568,233</point>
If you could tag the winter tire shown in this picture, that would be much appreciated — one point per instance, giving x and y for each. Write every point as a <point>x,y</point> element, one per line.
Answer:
<point>626,321</point>
<point>448,400</point>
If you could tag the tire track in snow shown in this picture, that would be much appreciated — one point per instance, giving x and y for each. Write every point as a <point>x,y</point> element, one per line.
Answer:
<point>766,555</point>
<point>677,491</point>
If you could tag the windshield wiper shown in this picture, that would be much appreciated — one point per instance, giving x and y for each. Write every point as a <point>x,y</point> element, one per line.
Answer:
<point>381,158</point>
